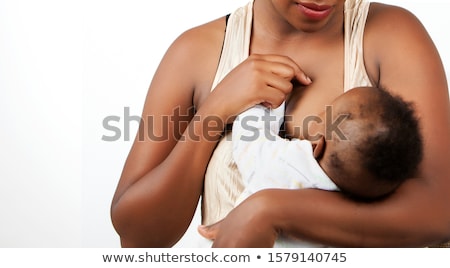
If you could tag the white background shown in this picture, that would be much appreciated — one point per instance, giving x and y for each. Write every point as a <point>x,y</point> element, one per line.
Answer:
<point>64,67</point>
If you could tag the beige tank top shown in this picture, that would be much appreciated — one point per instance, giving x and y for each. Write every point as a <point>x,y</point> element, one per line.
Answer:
<point>223,183</point>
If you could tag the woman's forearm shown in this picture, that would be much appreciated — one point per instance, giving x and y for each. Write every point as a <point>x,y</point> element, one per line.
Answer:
<point>156,210</point>
<point>411,218</point>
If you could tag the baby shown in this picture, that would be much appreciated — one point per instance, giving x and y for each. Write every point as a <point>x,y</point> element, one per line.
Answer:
<point>379,146</point>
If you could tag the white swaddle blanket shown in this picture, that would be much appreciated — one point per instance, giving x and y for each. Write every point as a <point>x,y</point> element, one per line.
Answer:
<point>266,160</point>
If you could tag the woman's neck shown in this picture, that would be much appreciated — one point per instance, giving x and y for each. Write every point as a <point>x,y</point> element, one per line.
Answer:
<point>271,26</point>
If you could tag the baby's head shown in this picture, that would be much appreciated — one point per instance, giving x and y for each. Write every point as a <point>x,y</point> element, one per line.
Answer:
<point>381,145</point>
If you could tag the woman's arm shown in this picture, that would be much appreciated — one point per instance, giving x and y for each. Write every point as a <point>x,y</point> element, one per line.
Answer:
<point>401,57</point>
<point>162,179</point>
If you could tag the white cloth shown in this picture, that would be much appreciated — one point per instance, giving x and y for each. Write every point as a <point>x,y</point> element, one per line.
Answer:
<point>267,161</point>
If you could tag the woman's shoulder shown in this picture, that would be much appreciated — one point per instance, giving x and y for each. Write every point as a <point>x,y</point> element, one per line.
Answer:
<point>198,49</point>
<point>391,27</point>
<point>388,19</point>
<point>194,55</point>
<point>203,38</point>
<point>391,31</point>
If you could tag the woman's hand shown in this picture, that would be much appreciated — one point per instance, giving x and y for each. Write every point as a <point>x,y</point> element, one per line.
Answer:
<point>246,226</point>
<point>260,79</point>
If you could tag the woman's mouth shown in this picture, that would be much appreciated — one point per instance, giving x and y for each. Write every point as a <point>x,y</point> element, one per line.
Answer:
<point>314,11</point>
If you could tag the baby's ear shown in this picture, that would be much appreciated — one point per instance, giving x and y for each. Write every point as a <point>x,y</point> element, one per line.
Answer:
<point>319,147</point>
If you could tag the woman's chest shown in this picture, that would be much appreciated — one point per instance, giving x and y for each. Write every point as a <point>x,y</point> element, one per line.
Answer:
<point>323,64</point>
<point>305,103</point>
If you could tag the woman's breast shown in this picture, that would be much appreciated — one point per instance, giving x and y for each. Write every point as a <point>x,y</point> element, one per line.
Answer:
<point>305,103</point>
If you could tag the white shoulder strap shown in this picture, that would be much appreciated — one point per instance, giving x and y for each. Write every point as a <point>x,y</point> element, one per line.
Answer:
<point>236,45</point>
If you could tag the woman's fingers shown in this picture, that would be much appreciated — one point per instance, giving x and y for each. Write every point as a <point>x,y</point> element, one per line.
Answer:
<point>209,231</point>
<point>294,72</point>
<point>265,79</point>
<point>278,73</point>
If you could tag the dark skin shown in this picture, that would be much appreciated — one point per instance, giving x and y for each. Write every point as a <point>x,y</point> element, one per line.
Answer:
<point>162,181</point>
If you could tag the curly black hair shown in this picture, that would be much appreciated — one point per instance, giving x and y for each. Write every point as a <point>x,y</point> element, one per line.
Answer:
<point>394,153</point>
<point>386,145</point>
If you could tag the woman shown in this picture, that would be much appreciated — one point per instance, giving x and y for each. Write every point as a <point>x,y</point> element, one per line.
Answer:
<point>298,50</point>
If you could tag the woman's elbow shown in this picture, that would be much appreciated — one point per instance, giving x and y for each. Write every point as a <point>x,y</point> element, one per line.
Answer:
<point>122,225</point>
<point>126,226</point>
<point>137,230</point>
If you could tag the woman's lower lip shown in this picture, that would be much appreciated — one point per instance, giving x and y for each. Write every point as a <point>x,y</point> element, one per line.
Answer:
<point>314,13</point>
